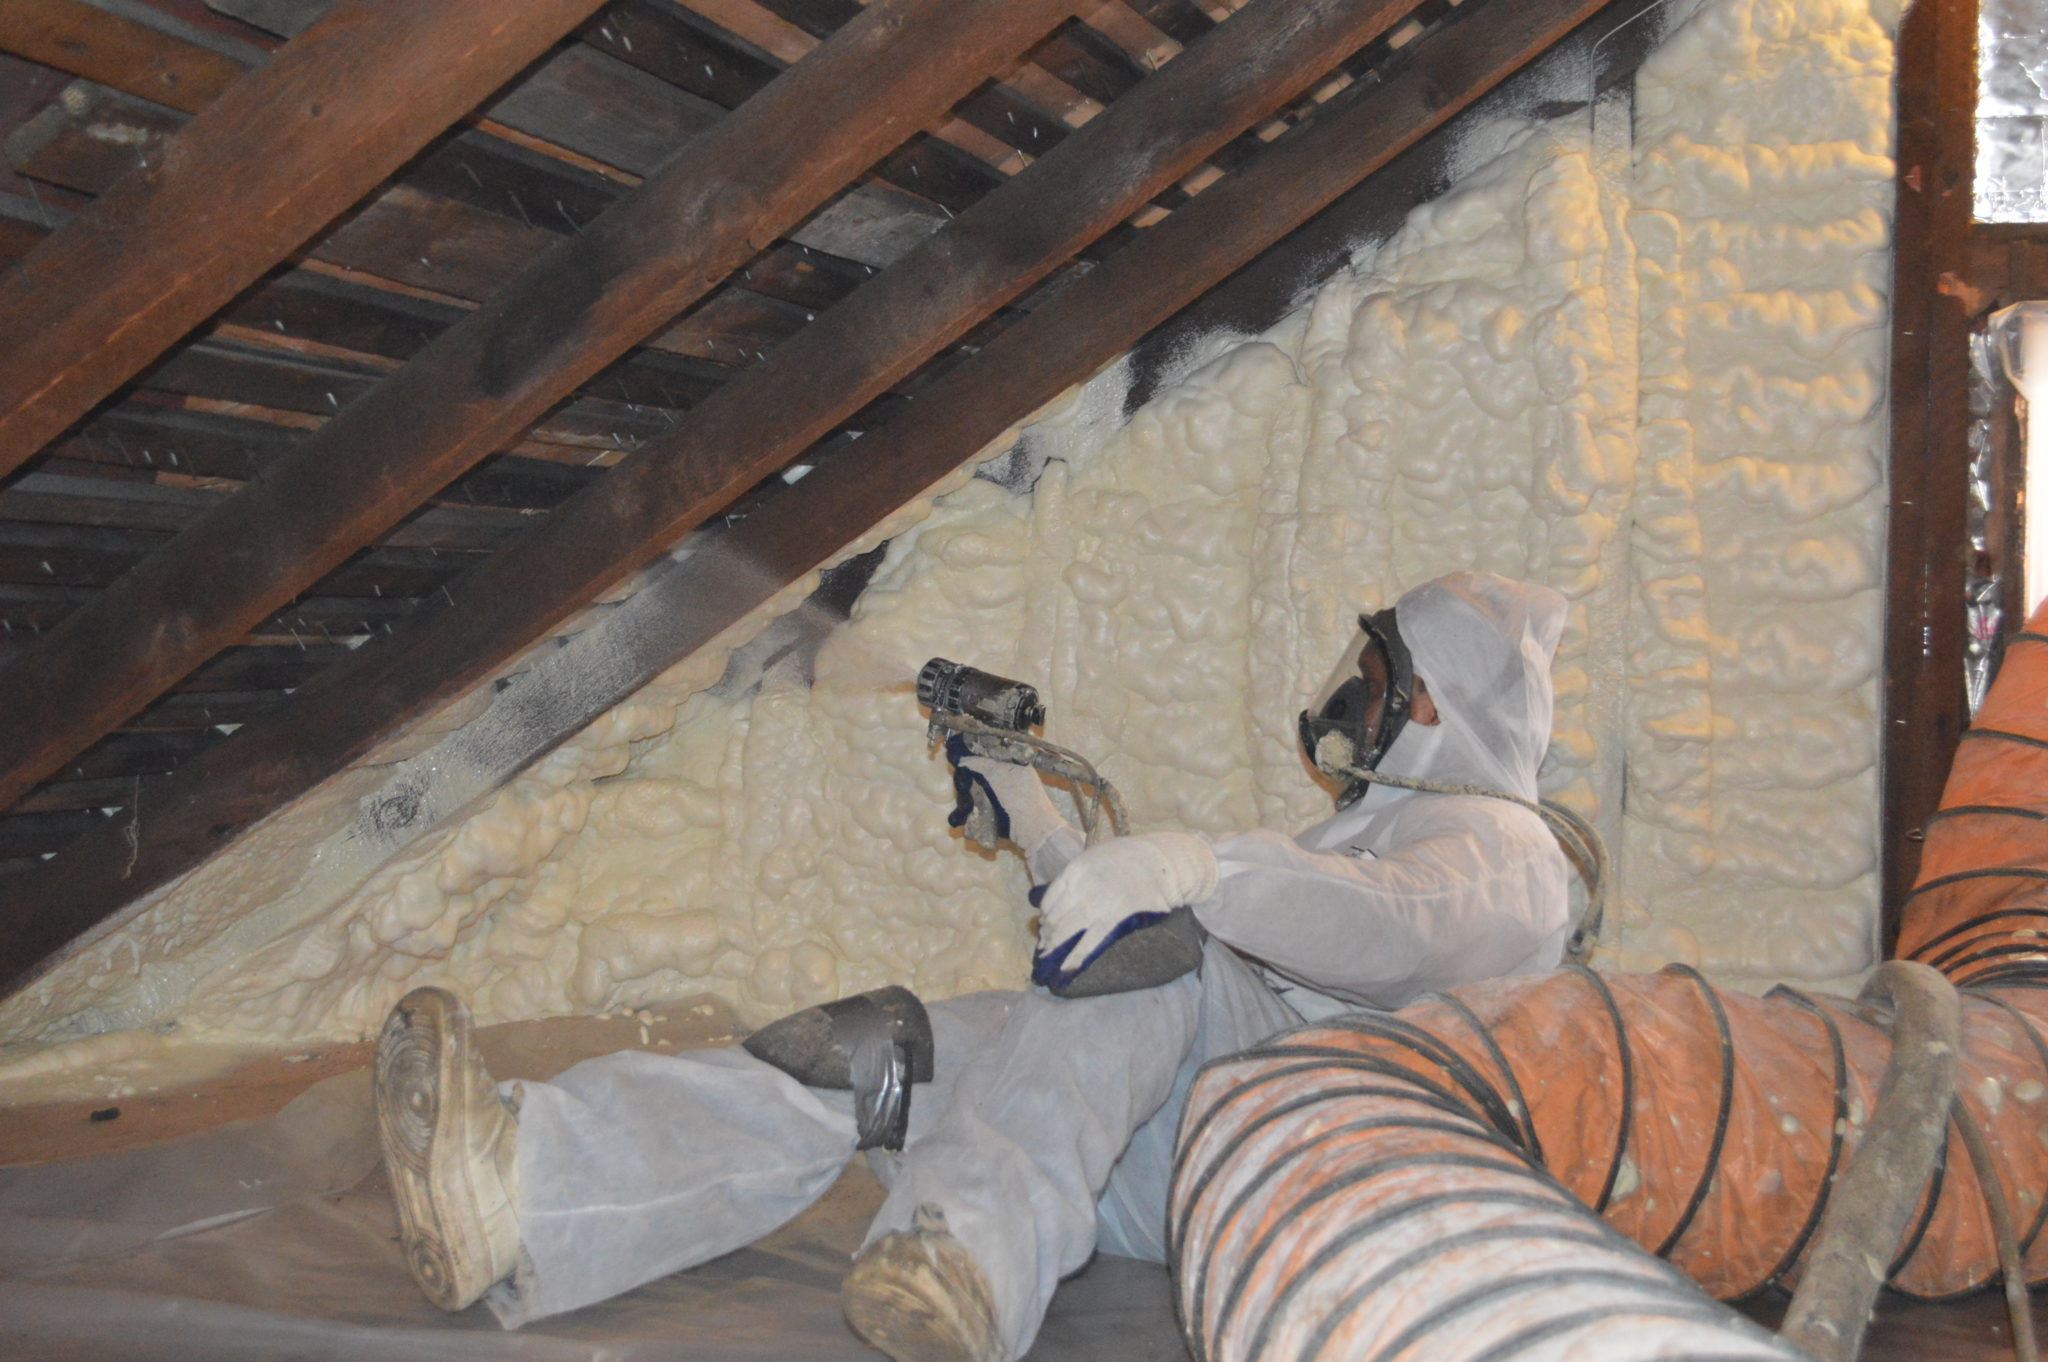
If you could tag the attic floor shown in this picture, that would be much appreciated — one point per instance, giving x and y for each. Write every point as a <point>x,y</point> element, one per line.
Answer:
<point>319,1275</point>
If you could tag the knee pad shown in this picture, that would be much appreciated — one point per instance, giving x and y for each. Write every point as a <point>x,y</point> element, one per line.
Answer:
<point>1154,955</point>
<point>876,1044</point>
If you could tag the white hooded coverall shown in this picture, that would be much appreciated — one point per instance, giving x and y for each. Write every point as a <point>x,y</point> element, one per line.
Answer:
<point>1048,1129</point>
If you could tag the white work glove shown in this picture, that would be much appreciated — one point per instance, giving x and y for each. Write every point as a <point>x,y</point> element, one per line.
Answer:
<point>1111,890</point>
<point>1025,813</point>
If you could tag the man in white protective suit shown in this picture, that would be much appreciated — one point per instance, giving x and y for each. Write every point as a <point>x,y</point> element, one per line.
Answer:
<point>1045,1128</point>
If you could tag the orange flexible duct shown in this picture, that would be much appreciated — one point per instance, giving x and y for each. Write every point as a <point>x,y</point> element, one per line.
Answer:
<point>1980,911</point>
<point>1705,1126</point>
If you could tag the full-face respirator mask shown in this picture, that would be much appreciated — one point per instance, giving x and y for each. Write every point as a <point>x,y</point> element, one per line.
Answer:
<point>1358,716</point>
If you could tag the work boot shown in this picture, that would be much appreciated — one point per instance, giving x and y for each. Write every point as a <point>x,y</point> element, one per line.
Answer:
<point>448,1146</point>
<point>920,1297</point>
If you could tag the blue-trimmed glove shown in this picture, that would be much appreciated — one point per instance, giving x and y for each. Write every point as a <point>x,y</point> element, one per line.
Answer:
<point>1014,796</point>
<point>1110,891</point>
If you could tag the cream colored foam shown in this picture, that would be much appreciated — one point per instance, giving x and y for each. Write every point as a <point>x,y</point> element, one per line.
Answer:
<point>1650,377</point>
<point>1760,224</point>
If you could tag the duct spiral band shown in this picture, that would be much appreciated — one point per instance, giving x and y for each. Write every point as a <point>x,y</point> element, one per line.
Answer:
<point>1707,1128</point>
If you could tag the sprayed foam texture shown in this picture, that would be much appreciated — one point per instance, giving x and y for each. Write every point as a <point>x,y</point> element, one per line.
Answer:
<point>1635,354</point>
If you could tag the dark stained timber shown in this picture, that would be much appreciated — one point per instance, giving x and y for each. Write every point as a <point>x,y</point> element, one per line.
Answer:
<point>1924,700</point>
<point>586,300</point>
<point>262,167</point>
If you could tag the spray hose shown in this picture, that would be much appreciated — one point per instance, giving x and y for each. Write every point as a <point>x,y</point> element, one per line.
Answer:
<point>1872,1201</point>
<point>1062,763</point>
<point>1581,841</point>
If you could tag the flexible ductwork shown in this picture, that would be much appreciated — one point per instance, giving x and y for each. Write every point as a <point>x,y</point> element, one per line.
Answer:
<point>1423,1184</point>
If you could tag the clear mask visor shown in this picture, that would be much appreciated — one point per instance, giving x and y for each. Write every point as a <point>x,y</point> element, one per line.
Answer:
<point>1349,724</point>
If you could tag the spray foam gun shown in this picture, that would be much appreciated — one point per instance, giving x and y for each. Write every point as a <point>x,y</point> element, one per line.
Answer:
<point>992,716</point>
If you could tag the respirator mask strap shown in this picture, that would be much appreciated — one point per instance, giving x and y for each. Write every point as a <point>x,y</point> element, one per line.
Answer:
<point>1385,631</point>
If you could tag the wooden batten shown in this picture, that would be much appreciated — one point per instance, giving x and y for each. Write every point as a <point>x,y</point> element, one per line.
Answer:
<point>124,53</point>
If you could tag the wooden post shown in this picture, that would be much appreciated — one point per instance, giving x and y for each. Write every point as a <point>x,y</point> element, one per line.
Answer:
<point>1924,701</point>
<point>585,301</point>
<point>336,718</point>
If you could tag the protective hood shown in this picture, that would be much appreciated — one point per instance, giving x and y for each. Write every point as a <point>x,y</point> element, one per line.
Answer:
<point>1482,644</point>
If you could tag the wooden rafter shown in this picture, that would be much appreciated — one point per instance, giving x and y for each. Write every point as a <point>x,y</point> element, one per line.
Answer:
<point>897,67</point>
<point>1925,708</point>
<point>1096,319</point>
<point>755,424</point>
<point>684,604</point>
<point>278,154</point>
<point>82,38</point>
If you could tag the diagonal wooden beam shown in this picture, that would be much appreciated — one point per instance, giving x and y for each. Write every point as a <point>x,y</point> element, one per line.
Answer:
<point>334,719</point>
<point>687,603</point>
<point>88,40</point>
<point>585,301</point>
<point>1258,296</point>
<point>274,158</point>
<point>1264,57</point>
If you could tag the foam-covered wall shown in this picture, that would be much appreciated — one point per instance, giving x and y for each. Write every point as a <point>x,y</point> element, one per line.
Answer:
<point>1636,353</point>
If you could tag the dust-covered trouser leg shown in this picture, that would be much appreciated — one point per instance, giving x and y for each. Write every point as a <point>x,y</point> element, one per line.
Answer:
<point>1060,1126</point>
<point>637,1165</point>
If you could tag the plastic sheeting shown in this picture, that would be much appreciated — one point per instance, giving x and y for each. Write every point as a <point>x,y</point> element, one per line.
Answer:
<point>277,1238</point>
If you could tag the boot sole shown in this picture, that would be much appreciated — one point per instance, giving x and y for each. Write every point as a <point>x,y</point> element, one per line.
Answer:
<point>441,1215</point>
<point>900,1300</point>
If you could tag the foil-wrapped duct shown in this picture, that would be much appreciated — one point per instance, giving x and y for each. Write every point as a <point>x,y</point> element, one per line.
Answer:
<point>1991,396</point>
<point>2012,111</point>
